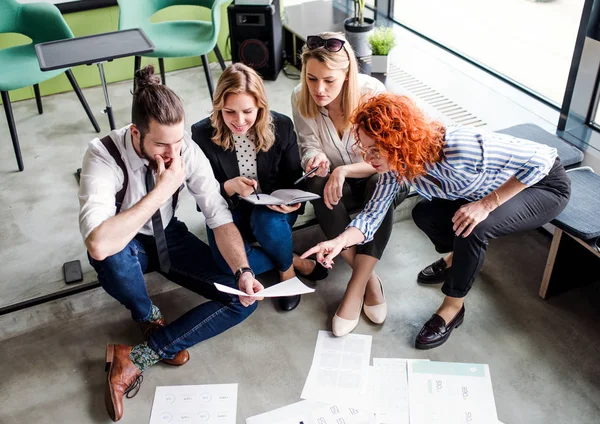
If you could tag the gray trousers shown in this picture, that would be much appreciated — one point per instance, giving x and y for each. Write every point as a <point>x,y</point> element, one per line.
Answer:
<point>529,209</point>
<point>356,193</point>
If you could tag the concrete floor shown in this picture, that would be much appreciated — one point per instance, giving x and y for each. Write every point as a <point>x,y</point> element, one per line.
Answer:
<point>543,355</point>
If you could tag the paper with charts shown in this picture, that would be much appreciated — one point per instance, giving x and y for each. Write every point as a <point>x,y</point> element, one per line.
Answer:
<point>290,287</point>
<point>389,379</point>
<point>450,393</point>
<point>312,412</point>
<point>210,404</point>
<point>339,370</point>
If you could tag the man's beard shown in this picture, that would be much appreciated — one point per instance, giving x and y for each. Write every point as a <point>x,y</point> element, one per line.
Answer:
<point>153,163</point>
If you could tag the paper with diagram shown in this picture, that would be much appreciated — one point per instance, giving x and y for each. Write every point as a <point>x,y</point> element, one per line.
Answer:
<point>312,412</point>
<point>291,287</point>
<point>212,403</point>
<point>451,393</point>
<point>339,370</point>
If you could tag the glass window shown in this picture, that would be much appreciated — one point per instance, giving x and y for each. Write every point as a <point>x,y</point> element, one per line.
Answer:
<point>530,42</point>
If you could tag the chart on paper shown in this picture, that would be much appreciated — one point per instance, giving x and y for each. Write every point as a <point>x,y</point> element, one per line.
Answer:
<point>210,404</point>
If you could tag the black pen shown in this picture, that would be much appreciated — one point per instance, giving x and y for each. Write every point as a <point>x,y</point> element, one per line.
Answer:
<point>305,176</point>
<point>254,188</point>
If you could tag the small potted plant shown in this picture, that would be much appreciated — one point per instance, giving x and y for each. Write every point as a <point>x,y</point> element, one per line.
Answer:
<point>358,28</point>
<point>382,41</point>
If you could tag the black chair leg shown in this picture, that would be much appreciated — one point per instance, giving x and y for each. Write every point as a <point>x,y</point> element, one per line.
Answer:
<point>84,102</point>
<point>38,98</point>
<point>161,66</point>
<point>209,80</point>
<point>137,64</point>
<point>219,57</point>
<point>13,129</point>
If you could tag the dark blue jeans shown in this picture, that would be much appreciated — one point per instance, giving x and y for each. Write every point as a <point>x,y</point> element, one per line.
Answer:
<point>193,267</point>
<point>272,230</point>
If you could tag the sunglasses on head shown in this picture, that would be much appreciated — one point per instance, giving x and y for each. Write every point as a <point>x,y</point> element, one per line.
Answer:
<point>331,44</point>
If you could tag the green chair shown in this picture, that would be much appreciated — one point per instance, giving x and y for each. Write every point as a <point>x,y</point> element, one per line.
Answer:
<point>19,66</point>
<point>175,38</point>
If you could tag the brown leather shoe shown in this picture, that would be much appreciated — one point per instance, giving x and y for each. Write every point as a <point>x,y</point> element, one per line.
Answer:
<point>435,332</point>
<point>123,378</point>
<point>149,327</point>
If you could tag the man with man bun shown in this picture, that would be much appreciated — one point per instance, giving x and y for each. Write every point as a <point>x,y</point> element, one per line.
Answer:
<point>130,183</point>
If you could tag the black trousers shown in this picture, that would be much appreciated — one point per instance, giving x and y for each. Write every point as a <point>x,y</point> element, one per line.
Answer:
<point>356,193</point>
<point>529,209</point>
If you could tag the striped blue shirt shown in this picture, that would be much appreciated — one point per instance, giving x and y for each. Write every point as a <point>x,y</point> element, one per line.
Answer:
<point>473,165</point>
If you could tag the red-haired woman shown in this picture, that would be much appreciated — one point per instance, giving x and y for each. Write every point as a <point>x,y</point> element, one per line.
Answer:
<point>475,186</point>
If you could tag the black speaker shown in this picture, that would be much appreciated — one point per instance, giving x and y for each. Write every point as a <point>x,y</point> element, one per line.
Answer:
<point>256,34</point>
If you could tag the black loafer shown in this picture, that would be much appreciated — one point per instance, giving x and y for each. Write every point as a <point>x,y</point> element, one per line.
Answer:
<point>288,303</point>
<point>435,273</point>
<point>319,273</point>
<point>435,332</point>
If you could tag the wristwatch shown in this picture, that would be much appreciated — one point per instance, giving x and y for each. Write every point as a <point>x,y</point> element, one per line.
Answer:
<point>242,270</point>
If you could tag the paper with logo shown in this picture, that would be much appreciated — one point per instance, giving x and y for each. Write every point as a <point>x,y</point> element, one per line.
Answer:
<point>339,370</point>
<point>288,196</point>
<point>451,393</point>
<point>212,403</point>
<point>290,287</point>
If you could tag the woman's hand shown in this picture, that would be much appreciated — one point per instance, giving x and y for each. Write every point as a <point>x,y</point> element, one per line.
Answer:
<point>327,250</point>
<point>284,208</point>
<point>468,216</point>
<point>240,185</point>
<point>320,160</point>
<point>333,191</point>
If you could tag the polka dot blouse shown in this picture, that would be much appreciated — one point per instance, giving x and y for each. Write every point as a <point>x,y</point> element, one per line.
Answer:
<point>245,150</point>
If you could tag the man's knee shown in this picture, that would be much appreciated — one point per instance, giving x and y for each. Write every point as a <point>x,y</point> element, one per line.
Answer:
<point>242,312</point>
<point>118,262</point>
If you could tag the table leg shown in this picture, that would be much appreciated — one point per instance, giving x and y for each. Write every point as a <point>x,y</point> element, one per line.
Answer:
<point>108,110</point>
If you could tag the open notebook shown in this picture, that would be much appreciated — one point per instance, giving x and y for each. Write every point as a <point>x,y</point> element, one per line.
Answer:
<point>289,196</point>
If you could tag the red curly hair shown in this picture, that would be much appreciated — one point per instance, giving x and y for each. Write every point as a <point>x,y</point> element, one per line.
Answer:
<point>401,131</point>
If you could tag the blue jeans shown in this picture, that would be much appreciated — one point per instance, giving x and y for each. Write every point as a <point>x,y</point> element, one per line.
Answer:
<point>272,230</point>
<point>192,266</point>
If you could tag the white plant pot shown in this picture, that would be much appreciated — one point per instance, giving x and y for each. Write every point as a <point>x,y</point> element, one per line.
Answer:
<point>380,64</point>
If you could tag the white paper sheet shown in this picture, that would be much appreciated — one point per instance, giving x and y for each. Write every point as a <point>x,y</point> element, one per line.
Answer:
<point>312,412</point>
<point>290,287</point>
<point>339,370</point>
<point>452,393</point>
<point>210,404</point>
<point>391,390</point>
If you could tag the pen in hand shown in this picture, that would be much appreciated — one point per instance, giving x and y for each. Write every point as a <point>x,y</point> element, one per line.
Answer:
<point>305,176</point>
<point>254,188</point>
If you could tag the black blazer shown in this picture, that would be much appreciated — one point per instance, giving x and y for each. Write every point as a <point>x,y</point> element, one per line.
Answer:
<point>277,168</point>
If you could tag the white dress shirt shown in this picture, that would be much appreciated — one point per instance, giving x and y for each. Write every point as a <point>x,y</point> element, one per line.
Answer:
<point>102,178</point>
<point>318,135</point>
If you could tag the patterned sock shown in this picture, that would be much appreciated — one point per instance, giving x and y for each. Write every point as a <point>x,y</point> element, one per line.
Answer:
<point>155,314</point>
<point>143,356</point>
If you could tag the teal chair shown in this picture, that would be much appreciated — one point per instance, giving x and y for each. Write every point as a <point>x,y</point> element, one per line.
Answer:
<point>175,38</point>
<point>19,66</point>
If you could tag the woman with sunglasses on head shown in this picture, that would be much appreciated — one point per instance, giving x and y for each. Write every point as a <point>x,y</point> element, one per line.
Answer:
<point>329,92</point>
<point>251,148</point>
<point>475,186</point>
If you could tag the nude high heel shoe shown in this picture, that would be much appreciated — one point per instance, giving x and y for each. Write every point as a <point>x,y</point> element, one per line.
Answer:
<point>341,326</point>
<point>377,313</point>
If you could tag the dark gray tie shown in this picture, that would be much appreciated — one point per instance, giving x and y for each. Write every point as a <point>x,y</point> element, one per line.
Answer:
<point>159,231</point>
